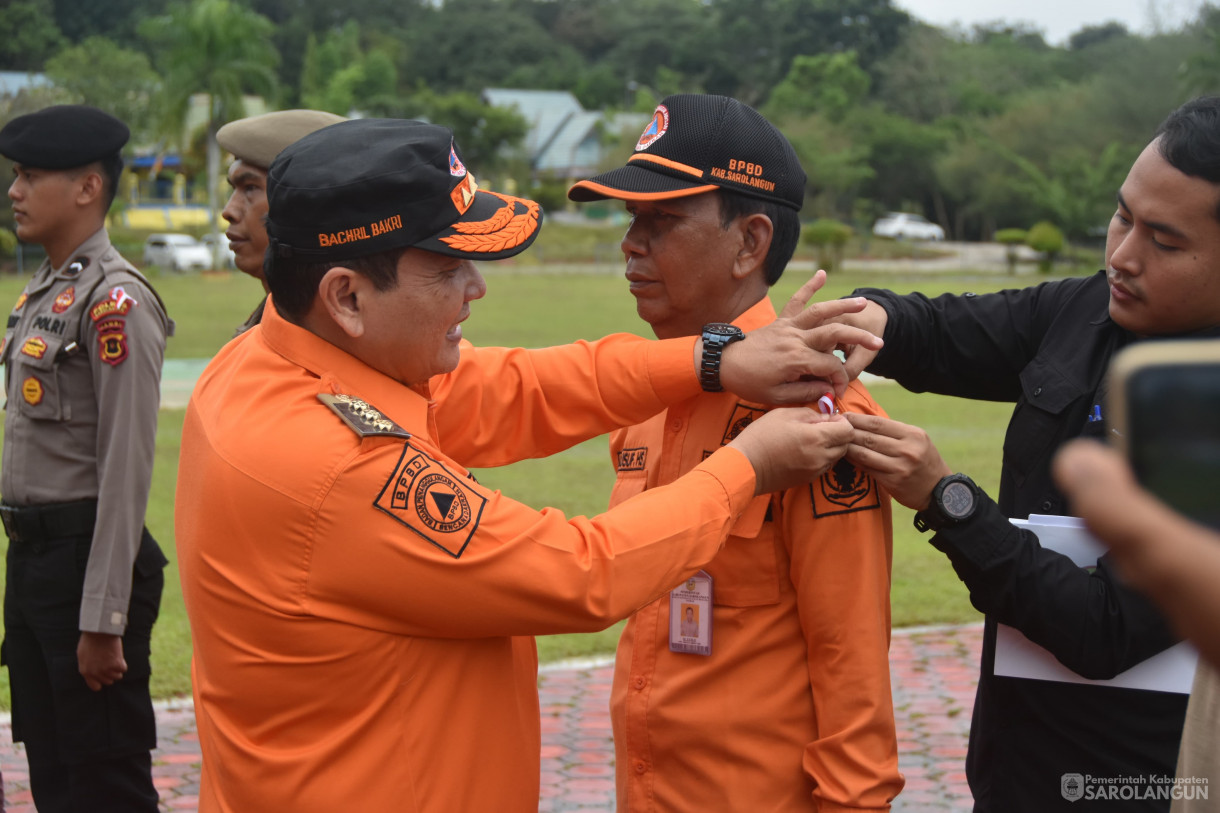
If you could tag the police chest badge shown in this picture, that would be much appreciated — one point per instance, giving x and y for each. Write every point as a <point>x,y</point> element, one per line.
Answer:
<point>64,300</point>
<point>34,347</point>
<point>843,490</point>
<point>432,501</point>
<point>32,391</point>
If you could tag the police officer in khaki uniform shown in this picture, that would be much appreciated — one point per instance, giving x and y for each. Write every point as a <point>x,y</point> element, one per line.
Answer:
<point>254,143</point>
<point>82,355</point>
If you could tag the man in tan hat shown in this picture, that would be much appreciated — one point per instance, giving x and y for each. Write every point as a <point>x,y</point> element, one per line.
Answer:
<point>254,143</point>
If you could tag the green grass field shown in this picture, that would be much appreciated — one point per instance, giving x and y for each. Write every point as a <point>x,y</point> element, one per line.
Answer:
<point>530,307</point>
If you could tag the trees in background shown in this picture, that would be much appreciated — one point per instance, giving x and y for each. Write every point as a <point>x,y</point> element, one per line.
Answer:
<point>979,130</point>
<point>99,72</point>
<point>219,48</point>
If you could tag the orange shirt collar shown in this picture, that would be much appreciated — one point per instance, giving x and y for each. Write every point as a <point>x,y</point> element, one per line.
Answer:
<point>760,314</point>
<point>344,373</point>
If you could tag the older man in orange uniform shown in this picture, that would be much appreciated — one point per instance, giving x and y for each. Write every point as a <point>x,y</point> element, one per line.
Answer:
<point>359,604</point>
<point>782,703</point>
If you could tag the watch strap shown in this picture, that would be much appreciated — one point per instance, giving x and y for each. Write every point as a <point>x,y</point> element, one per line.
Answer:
<point>716,337</point>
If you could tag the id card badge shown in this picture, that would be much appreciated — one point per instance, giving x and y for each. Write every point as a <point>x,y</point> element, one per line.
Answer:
<point>690,615</point>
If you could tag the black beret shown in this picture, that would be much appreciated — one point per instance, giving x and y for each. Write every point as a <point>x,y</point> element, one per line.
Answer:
<point>370,185</point>
<point>62,137</point>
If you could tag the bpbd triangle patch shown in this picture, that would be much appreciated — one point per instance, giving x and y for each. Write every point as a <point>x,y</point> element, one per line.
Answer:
<point>434,502</point>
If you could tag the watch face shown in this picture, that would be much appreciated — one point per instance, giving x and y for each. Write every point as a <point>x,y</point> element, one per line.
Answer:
<point>957,500</point>
<point>721,329</point>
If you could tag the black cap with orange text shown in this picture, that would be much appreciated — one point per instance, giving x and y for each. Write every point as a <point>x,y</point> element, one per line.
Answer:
<point>365,186</point>
<point>696,143</point>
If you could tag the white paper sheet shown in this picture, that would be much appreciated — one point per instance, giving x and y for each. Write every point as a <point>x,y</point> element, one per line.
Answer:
<point>1016,656</point>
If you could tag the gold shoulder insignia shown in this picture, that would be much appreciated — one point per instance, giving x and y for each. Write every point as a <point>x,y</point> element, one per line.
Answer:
<point>363,419</point>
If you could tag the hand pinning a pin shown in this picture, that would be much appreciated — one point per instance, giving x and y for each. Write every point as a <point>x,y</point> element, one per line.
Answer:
<point>826,405</point>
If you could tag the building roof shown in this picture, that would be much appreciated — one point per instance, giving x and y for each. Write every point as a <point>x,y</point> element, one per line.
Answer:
<point>563,138</point>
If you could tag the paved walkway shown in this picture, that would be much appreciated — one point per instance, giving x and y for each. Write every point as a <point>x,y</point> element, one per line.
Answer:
<point>934,672</point>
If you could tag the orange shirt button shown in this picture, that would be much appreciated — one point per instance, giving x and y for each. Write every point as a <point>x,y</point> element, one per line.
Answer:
<point>675,424</point>
<point>640,682</point>
<point>640,767</point>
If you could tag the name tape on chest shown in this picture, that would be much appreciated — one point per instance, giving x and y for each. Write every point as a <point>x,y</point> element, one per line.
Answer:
<point>635,459</point>
<point>434,502</point>
<point>844,489</point>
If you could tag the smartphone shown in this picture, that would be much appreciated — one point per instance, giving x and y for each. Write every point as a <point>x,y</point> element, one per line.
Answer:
<point>1163,410</point>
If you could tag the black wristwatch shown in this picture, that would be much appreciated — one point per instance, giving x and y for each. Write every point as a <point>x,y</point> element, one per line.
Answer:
<point>716,337</point>
<point>954,499</point>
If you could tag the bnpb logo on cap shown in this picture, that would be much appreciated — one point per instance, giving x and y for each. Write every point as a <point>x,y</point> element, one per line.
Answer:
<point>456,168</point>
<point>655,129</point>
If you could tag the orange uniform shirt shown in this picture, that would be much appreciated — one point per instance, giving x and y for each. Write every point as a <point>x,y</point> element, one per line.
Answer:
<point>358,604</point>
<point>792,710</point>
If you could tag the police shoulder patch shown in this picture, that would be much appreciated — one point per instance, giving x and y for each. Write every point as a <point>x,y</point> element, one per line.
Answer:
<point>843,490</point>
<point>362,418</point>
<point>434,502</point>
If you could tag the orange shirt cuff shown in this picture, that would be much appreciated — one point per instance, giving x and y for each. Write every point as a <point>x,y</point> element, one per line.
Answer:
<point>733,471</point>
<point>671,369</point>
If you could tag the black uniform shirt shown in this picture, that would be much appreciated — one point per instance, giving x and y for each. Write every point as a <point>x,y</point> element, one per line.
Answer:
<point>1046,348</point>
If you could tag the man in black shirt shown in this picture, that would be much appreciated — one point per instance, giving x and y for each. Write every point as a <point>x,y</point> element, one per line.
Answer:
<point>1047,348</point>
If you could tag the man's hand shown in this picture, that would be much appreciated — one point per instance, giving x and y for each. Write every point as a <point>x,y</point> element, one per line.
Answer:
<point>871,318</point>
<point>100,659</point>
<point>792,360</point>
<point>900,457</point>
<point>788,447</point>
<point>1143,533</point>
<point>1157,550</point>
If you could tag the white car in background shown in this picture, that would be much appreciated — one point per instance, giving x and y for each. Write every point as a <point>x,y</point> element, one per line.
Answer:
<point>904,226</point>
<point>178,252</point>
<point>226,256</point>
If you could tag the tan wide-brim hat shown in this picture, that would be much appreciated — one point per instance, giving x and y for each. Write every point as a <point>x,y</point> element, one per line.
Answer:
<point>258,139</point>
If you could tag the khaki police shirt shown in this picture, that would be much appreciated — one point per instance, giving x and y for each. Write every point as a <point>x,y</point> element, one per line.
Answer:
<point>82,356</point>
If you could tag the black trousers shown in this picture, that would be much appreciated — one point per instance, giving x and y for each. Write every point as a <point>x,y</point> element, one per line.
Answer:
<point>87,751</point>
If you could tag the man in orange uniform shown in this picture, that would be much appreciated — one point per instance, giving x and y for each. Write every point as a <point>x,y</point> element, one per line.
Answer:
<point>784,702</point>
<point>359,604</point>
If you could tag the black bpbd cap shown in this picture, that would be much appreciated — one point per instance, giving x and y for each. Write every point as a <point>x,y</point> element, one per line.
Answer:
<point>65,136</point>
<point>696,143</point>
<point>369,185</point>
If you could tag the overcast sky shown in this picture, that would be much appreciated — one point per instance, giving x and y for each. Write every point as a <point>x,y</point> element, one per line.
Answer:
<point>1058,19</point>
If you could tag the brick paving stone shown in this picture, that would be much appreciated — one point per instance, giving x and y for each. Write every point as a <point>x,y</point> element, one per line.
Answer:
<point>933,670</point>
